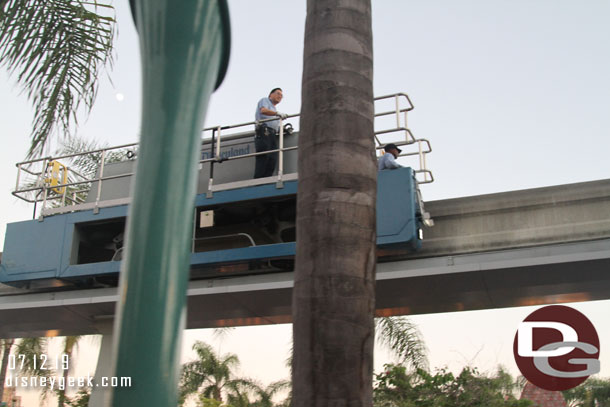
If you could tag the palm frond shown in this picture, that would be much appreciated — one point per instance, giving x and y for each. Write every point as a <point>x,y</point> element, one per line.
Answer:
<point>209,374</point>
<point>278,386</point>
<point>31,350</point>
<point>57,49</point>
<point>31,363</point>
<point>402,337</point>
<point>222,332</point>
<point>87,164</point>
<point>238,391</point>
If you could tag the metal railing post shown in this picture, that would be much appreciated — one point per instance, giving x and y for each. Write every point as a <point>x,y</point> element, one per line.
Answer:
<point>18,177</point>
<point>280,168</point>
<point>425,168</point>
<point>98,195</point>
<point>41,182</point>
<point>63,195</point>
<point>209,193</point>
<point>218,142</point>
<point>421,156</point>
<point>397,101</point>
<point>44,202</point>
<point>406,126</point>
<point>43,172</point>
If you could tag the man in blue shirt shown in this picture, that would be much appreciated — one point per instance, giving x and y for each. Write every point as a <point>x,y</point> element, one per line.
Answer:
<point>265,138</point>
<point>388,161</point>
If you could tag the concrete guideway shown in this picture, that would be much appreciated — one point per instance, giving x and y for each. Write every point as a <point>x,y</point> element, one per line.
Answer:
<point>525,218</point>
<point>529,247</point>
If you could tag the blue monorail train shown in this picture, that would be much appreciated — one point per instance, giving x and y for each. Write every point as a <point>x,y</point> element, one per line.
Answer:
<point>240,225</point>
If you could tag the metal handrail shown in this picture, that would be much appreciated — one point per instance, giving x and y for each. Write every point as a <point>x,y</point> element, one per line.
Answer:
<point>246,235</point>
<point>234,126</point>
<point>61,157</point>
<point>218,136</point>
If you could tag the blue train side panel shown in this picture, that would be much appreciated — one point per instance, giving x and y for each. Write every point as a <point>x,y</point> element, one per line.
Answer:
<point>32,249</point>
<point>398,220</point>
<point>47,250</point>
<point>39,250</point>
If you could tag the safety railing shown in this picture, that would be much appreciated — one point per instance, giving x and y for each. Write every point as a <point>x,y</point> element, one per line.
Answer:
<point>215,135</point>
<point>76,181</point>
<point>38,181</point>
<point>401,136</point>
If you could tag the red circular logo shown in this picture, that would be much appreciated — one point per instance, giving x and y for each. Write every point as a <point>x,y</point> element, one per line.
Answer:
<point>556,348</point>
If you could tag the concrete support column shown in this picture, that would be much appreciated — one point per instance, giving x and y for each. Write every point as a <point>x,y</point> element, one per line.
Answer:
<point>100,396</point>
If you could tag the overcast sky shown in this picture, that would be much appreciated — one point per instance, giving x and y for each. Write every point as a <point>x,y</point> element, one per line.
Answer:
<point>512,94</point>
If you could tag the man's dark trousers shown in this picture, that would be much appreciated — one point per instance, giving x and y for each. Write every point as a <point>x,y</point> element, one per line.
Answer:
<point>265,140</point>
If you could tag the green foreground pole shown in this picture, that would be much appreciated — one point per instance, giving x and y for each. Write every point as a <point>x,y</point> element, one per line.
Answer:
<point>185,50</point>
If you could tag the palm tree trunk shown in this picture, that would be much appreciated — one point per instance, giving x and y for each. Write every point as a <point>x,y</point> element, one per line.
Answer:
<point>61,393</point>
<point>333,300</point>
<point>217,395</point>
<point>70,343</point>
<point>7,345</point>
